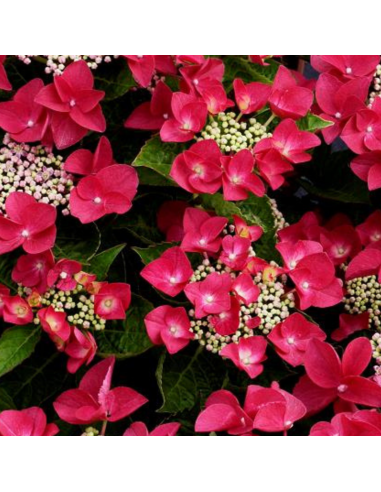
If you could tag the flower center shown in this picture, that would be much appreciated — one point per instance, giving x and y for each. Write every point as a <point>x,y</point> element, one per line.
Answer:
<point>173,280</point>
<point>342,388</point>
<point>291,341</point>
<point>348,70</point>
<point>25,234</point>
<point>97,200</point>
<point>306,286</point>
<point>72,103</point>
<point>338,115</point>
<point>209,299</point>
<point>30,123</point>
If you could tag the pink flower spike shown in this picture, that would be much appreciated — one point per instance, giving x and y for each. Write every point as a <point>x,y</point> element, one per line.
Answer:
<point>56,326</point>
<point>202,232</point>
<point>247,355</point>
<point>251,97</point>
<point>112,301</point>
<point>32,271</point>
<point>26,423</point>
<point>81,349</point>
<point>170,327</point>
<point>28,224</point>
<point>291,338</point>
<point>62,275</point>
<point>212,296</point>
<point>170,273</point>
<point>17,311</point>
<point>95,401</point>
<point>84,163</point>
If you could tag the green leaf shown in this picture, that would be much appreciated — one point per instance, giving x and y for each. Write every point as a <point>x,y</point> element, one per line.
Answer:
<point>78,243</point>
<point>185,381</point>
<point>117,82</point>
<point>159,156</point>
<point>7,263</point>
<point>16,345</point>
<point>6,402</point>
<point>313,123</point>
<point>101,263</point>
<point>129,339</point>
<point>241,68</point>
<point>152,253</point>
<point>341,186</point>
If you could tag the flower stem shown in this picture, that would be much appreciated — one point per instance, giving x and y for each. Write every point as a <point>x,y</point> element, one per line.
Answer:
<point>270,120</point>
<point>104,427</point>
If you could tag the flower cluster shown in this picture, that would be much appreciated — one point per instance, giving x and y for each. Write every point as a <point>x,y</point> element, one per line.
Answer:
<point>244,292</point>
<point>68,304</point>
<point>56,64</point>
<point>36,171</point>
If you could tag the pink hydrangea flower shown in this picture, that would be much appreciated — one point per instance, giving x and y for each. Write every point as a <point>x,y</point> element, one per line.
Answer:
<point>17,311</point>
<point>112,301</point>
<point>251,97</point>
<point>202,232</point>
<point>23,118</point>
<point>170,273</point>
<point>288,99</point>
<point>74,105</point>
<point>84,163</point>
<point>56,326</point>
<point>81,349</point>
<point>170,327</point>
<point>28,224</point>
<point>331,380</point>
<point>291,338</point>
<point>110,191</point>
<point>247,355</point>
<point>239,178</point>
<point>32,271</point>
<point>26,423</point>
<point>198,170</point>
<point>212,296</point>
<point>138,429</point>
<point>152,115</point>
<point>95,401</point>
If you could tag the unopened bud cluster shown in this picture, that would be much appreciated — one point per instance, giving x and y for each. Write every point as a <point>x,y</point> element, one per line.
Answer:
<point>232,135</point>
<point>91,432</point>
<point>77,304</point>
<point>279,220</point>
<point>273,307</point>
<point>35,171</point>
<point>376,86</point>
<point>274,304</point>
<point>56,64</point>
<point>364,295</point>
